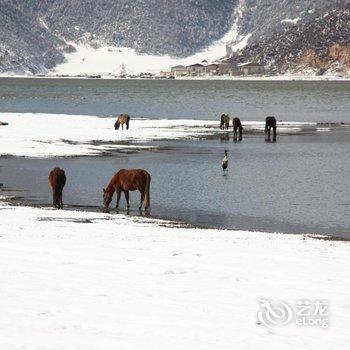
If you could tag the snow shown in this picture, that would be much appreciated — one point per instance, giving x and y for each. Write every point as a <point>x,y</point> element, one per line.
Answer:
<point>242,43</point>
<point>38,135</point>
<point>55,135</point>
<point>43,23</point>
<point>108,60</point>
<point>80,280</point>
<point>291,21</point>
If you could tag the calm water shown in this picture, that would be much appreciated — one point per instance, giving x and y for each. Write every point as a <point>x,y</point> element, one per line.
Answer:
<point>251,100</point>
<point>300,184</point>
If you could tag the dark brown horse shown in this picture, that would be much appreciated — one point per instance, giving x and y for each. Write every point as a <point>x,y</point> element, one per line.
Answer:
<point>224,121</point>
<point>122,119</point>
<point>57,180</point>
<point>237,126</point>
<point>126,180</point>
<point>270,123</point>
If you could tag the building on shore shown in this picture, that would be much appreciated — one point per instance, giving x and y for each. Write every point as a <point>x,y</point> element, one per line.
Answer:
<point>165,74</point>
<point>211,69</point>
<point>195,70</point>
<point>179,71</point>
<point>232,66</point>
<point>251,68</point>
<point>227,65</point>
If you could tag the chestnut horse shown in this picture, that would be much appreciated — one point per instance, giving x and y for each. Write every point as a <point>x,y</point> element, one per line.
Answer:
<point>122,119</point>
<point>57,180</point>
<point>126,180</point>
<point>237,125</point>
<point>270,123</point>
<point>224,121</point>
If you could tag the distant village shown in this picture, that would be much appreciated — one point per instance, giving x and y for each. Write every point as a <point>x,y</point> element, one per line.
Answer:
<point>230,67</point>
<point>227,67</point>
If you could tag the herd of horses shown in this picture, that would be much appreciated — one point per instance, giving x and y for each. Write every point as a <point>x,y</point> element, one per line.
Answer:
<point>126,180</point>
<point>270,124</point>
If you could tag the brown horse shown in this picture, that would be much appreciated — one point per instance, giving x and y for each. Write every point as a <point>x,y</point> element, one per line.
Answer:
<point>270,123</point>
<point>57,180</point>
<point>224,121</point>
<point>122,119</point>
<point>237,125</point>
<point>126,180</point>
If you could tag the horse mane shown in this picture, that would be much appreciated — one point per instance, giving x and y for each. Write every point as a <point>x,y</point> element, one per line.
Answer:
<point>111,186</point>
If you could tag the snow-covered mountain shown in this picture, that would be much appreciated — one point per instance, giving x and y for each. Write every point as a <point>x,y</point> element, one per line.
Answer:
<point>315,40</point>
<point>36,36</point>
<point>33,33</point>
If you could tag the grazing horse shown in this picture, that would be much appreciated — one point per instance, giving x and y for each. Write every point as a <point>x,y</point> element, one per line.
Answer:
<point>128,180</point>
<point>57,180</point>
<point>270,123</point>
<point>122,119</point>
<point>224,122</point>
<point>237,125</point>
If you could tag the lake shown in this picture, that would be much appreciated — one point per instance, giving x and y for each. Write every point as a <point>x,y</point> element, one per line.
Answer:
<point>319,101</point>
<point>298,185</point>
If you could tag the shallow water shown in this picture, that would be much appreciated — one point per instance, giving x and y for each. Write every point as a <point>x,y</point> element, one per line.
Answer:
<point>319,101</point>
<point>297,185</point>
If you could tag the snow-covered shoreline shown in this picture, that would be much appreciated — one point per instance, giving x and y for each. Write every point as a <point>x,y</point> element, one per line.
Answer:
<point>37,135</point>
<point>73,280</point>
<point>281,78</point>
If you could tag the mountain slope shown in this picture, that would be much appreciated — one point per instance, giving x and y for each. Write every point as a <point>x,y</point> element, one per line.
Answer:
<point>319,43</point>
<point>35,32</point>
<point>25,44</point>
<point>292,34</point>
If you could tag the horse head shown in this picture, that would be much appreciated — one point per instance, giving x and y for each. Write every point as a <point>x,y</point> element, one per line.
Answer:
<point>107,198</point>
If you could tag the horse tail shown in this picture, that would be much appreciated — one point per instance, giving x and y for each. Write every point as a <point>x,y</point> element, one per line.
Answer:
<point>127,122</point>
<point>147,199</point>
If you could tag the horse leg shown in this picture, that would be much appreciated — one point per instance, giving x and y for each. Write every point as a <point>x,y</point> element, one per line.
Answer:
<point>142,199</point>
<point>268,133</point>
<point>118,197</point>
<point>240,134</point>
<point>127,199</point>
<point>234,134</point>
<point>274,133</point>
<point>60,200</point>
<point>55,200</point>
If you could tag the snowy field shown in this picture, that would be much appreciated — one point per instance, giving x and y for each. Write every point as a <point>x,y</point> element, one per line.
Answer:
<point>77,280</point>
<point>55,135</point>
